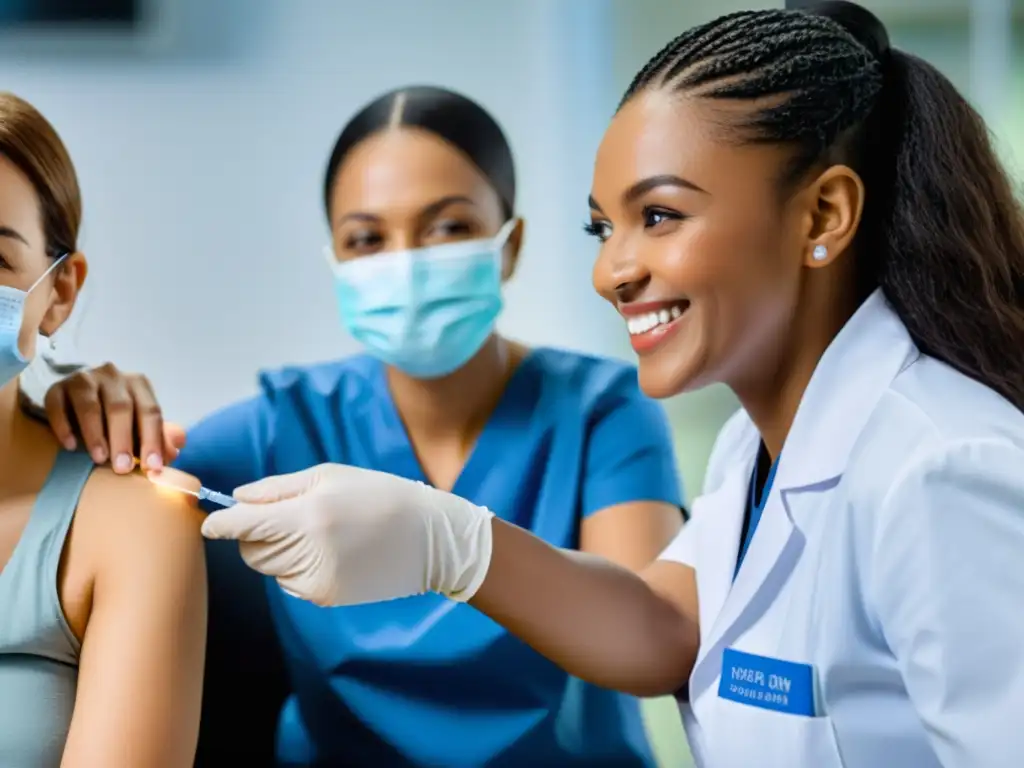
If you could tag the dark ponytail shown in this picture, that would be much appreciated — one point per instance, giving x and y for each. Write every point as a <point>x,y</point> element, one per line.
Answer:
<point>942,233</point>
<point>950,238</point>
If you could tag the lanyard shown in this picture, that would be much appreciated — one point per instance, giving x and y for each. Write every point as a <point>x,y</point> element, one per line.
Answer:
<point>756,508</point>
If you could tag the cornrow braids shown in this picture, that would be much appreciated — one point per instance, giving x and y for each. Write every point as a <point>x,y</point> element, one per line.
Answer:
<point>824,81</point>
<point>942,232</point>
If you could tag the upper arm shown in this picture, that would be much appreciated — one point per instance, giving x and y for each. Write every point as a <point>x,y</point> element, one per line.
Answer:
<point>673,574</point>
<point>631,495</point>
<point>630,534</point>
<point>141,665</point>
<point>946,583</point>
<point>228,448</point>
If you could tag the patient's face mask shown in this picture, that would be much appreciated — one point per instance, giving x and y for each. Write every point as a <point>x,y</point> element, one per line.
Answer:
<point>12,315</point>
<point>425,311</point>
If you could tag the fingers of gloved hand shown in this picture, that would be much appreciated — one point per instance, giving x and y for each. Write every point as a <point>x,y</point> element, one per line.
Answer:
<point>298,570</point>
<point>269,558</point>
<point>278,488</point>
<point>309,589</point>
<point>246,522</point>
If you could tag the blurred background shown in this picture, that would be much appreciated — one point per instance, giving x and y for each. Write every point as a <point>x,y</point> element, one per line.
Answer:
<point>200,131</point>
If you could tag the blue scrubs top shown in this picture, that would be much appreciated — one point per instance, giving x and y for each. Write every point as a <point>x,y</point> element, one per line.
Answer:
<point>424,680</point>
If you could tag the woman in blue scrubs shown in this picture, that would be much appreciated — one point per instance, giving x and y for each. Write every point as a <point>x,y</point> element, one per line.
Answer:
<point>420,198</point>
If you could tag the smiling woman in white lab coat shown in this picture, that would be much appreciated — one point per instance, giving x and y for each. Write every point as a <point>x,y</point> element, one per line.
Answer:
<point>787,206</point>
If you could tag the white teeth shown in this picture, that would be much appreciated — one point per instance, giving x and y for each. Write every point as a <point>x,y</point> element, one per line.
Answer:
<point>651,320</point>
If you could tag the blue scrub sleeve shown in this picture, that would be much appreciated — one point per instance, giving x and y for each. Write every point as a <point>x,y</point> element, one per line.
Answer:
<point>228,448</point>
<point>629,455</point>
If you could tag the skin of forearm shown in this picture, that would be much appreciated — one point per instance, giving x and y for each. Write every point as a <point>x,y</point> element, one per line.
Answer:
<point>598,621</point>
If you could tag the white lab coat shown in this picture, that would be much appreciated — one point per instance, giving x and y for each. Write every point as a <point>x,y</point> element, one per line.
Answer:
<point>890,556</point>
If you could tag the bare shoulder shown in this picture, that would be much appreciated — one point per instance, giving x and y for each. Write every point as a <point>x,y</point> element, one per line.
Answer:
<point>141,664</point>
<point>125,519</point>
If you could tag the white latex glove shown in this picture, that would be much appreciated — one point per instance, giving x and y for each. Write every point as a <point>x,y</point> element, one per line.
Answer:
<point>340,535</point>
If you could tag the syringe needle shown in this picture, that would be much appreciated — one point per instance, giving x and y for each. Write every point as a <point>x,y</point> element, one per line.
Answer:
<point>167,477</point>
<point>217,498</point>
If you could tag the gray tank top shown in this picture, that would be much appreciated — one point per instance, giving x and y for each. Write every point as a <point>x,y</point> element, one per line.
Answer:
<point>38,651</point>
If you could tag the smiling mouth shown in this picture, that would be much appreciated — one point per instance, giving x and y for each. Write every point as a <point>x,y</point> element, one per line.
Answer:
<point>656,319</point>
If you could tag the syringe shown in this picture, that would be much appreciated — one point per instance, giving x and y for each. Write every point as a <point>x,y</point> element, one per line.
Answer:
<point>163,479</point>
<point>205,494</point>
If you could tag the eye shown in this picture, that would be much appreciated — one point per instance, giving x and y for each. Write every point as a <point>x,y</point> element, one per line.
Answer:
<point>656,216</point>
<point>363,242</point>
<point>602,230</point>
<point>4,264</point>
<point>449,229</point>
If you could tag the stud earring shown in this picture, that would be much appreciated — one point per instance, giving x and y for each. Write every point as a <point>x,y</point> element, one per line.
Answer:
<point>820,253</point>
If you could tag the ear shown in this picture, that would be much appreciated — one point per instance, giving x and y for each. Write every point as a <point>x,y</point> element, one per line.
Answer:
<point>510,253</point>
<point>835,203</point>
<point>68,279</point>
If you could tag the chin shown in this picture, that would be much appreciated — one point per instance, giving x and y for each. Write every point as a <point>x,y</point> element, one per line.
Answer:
<point>676,369</point>
<point>663,384</point>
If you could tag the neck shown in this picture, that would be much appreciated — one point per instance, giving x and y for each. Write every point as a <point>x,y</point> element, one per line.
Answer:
<point>10,416</point>
<point>772,400</point>
<point>458,405</point>
<point>22,441</point>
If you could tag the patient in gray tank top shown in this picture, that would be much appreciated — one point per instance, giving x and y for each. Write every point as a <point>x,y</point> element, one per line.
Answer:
<point>102,578</point>
<point>38,650</point>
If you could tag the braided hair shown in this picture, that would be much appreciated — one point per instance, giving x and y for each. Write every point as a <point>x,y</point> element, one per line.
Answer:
<point>942,232</point>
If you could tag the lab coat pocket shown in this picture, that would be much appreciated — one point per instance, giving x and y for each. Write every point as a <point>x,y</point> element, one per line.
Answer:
<point>745,735</point>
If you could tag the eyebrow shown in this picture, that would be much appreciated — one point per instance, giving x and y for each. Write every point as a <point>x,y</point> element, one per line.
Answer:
<point>644,186</point>
<point>429,211</point>
<point>13,234</point>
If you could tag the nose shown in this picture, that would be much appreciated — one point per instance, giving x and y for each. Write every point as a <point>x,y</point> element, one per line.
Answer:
<point>629,290</point>
<point>619,276</point>
<point>402,240</point>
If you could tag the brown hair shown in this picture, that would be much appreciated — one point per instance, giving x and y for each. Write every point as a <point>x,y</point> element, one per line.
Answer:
<point>29,141</point>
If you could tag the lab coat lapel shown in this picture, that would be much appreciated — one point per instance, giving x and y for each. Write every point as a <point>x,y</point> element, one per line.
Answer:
<point>773,551</point>
<point>719,539</point>
<point>846,386</point>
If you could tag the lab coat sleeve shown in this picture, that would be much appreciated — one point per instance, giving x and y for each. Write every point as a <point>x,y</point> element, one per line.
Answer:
<point>229,448</point>
<point>683,548</point>
<point>947,581</point>
<point>629,454</point>
<point>726,451</point>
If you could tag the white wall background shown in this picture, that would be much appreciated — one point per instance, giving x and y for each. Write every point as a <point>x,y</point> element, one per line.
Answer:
<point>201,168</point>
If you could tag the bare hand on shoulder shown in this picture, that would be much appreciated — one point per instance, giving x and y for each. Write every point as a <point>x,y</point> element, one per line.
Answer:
<point>118,418</point>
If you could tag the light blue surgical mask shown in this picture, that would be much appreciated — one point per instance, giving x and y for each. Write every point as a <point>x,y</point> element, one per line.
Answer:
<point>425,311</point>
<point>12,314</point>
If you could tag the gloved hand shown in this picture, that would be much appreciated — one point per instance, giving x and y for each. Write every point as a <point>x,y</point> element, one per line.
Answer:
<point>340,535</point>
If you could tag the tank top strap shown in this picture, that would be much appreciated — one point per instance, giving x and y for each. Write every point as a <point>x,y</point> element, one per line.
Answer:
<point>55,507</point>
<point>33,620</point>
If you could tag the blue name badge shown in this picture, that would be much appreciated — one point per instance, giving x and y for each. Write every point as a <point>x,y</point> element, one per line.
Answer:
<point>759,681</point>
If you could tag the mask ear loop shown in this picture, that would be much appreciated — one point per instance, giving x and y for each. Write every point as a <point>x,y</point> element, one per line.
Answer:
<point>329,256</point>
<point>45,274</point>
<point>48,340</point>
<point>501,239</point>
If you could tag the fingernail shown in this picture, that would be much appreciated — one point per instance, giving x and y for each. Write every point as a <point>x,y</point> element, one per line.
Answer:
<point>154,461</point>
<point>123,463</point>
<point>70,444</point>
<point>99,455</point>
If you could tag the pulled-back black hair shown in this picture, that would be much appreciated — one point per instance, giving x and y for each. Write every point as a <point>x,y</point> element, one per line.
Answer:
<point>942,232</point>
<point>455,118</point>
